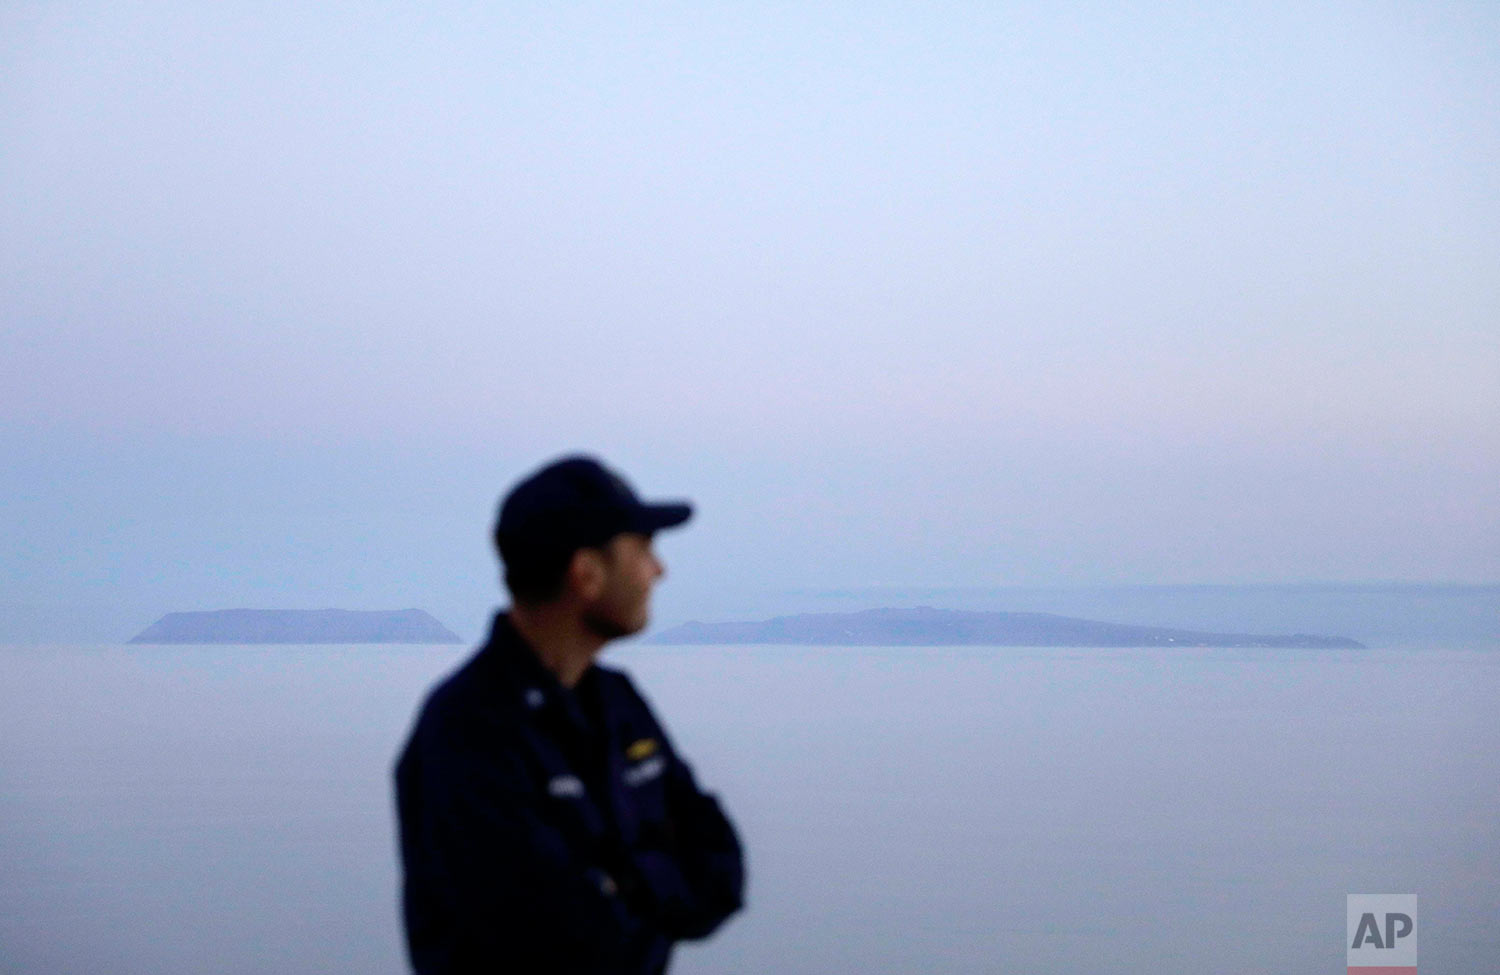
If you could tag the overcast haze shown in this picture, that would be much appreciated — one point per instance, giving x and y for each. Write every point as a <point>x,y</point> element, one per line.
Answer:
<point>957,295</point>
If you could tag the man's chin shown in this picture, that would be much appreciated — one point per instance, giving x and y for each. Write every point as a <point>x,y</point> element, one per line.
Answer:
<point>615,629</point>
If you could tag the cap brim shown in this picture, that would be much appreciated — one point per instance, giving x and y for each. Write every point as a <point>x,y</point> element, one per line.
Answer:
<point>654,517</point>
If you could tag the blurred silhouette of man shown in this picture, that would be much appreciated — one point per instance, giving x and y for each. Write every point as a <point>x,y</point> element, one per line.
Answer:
<point>547,823</point>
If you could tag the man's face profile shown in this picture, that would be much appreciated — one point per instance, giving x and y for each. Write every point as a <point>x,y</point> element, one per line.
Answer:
<point>619,587</point>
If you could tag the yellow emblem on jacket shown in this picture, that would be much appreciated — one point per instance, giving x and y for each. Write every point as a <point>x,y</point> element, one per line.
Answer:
<point>640,749</point>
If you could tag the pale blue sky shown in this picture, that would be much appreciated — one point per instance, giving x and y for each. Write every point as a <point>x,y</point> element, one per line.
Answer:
<point>956,294</point>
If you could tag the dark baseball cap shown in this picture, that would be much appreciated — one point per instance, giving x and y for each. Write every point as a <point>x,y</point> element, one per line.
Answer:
<point>577,502</point>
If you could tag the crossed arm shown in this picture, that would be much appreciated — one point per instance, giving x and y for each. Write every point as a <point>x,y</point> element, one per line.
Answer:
<point>490,877</point>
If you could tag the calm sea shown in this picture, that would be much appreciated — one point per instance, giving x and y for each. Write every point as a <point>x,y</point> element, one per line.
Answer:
<point>228,809</point>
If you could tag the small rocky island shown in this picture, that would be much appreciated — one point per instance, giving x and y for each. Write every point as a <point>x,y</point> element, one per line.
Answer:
<point>924,626</point>
<point>298,626</point>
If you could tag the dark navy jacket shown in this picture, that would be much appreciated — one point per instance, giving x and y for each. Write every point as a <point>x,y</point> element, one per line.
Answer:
<point>549,830</point>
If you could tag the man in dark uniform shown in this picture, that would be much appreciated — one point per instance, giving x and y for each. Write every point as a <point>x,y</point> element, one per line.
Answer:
<point>547,823</point>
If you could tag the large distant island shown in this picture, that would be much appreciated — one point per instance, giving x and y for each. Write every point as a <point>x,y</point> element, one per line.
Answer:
<point>924,626</point>
<point>297,626</point>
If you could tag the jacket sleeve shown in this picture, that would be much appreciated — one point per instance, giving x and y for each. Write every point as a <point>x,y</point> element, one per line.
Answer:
<point>514,893</point>
<point>693,873</point>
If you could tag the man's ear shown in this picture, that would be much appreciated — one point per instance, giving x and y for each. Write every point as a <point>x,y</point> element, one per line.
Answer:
<point>586,573</point>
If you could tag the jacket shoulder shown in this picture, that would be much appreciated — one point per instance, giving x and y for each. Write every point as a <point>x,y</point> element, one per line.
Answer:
<point>620,690</point>
<point>629,710</point>
<point>467,706</point>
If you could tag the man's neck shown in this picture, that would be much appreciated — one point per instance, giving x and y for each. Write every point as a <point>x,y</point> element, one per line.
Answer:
<point>559,640</point>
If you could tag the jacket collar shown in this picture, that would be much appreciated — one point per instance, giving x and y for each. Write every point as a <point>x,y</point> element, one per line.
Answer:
<point>523,674</point>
